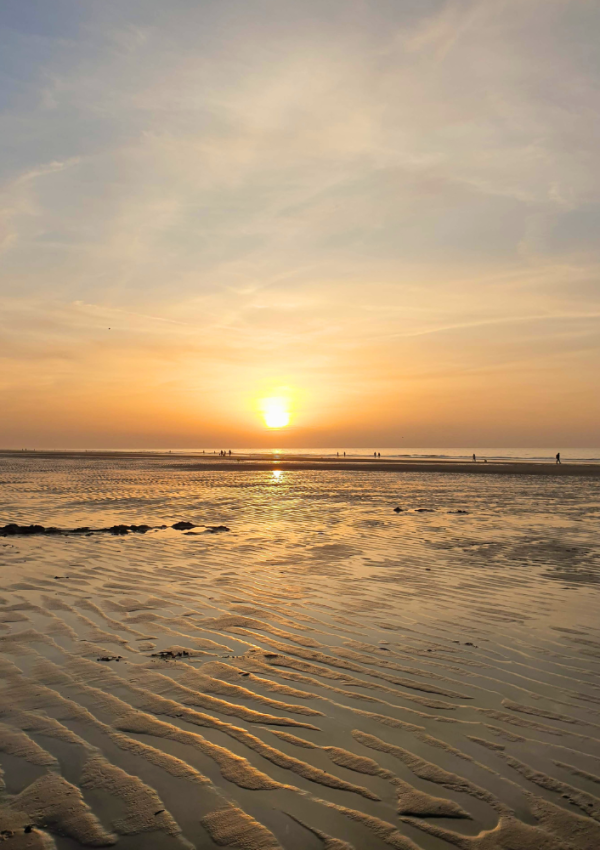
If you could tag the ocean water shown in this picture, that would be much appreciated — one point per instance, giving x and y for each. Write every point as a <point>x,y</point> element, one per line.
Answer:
<point>581,455</point>
<point>350,671</point>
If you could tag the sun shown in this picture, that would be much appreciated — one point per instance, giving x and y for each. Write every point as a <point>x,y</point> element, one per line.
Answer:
<point>275,412</point>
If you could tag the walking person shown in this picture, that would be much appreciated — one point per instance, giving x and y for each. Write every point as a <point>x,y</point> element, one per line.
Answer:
<point>558,457</point>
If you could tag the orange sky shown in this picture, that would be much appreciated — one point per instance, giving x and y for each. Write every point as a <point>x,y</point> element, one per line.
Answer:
<point>387,214</point>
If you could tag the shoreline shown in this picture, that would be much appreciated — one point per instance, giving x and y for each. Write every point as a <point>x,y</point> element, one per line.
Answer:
<point>261,463</point>
<point>399,466</point>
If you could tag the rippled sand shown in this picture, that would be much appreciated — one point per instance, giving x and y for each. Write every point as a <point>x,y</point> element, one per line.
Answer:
<point>326,674</point>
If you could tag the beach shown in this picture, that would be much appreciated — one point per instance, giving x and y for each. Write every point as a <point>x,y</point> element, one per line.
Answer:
<point>320,655</point>
<point>298,464</point>
<point>265,461</point>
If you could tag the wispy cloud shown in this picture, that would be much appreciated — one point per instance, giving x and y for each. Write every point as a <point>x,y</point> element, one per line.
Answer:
<point>332,195</point>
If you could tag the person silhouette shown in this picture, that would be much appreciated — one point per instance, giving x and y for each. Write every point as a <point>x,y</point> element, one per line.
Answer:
<point>474,459</point>
<point>558,457</point>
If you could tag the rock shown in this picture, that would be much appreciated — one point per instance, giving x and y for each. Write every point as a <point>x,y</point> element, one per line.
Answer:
<point>117,529</point>
<point>120,530</point>
<point>13,529</point>
<point>170,654</point>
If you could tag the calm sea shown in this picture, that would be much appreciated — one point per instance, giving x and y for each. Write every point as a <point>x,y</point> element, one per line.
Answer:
<point>535,454</point>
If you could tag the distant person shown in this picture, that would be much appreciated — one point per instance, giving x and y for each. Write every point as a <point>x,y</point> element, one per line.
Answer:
<point>378,454</point>
<point>229,452</point>
<point>474,459</point>
<point>558,457</point>
<point>344,454</point>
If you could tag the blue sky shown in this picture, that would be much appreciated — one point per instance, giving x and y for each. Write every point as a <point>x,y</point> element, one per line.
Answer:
<point>387,212</point>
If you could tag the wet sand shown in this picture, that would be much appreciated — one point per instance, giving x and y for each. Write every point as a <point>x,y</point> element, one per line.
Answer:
<point>327,673</point>
<point>264,462</point>
<point>588,470</point>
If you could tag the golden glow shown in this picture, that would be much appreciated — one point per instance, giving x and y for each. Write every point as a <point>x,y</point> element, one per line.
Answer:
<point>275,412</point>
<point>229,230</point>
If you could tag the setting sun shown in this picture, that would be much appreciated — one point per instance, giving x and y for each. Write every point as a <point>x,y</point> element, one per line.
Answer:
<point>275,412</point>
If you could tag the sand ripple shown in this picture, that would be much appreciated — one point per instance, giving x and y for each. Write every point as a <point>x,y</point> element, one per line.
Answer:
<point>329,674</point>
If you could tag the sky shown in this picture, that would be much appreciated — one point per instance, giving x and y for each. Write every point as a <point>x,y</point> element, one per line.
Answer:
<point>385,215</point>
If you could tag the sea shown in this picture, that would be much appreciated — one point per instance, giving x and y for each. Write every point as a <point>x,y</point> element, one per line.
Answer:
<point>579,455</point>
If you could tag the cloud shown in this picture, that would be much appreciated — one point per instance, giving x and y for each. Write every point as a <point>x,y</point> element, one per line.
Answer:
<point>255,193</point>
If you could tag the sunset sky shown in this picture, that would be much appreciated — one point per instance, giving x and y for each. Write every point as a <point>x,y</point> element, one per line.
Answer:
<point>384,214</point>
